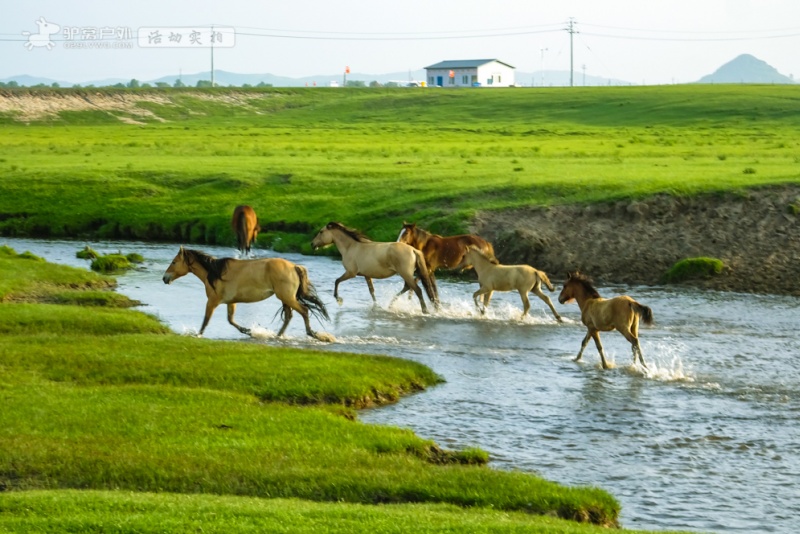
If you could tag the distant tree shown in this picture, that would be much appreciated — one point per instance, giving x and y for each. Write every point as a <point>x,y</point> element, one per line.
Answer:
<point>262,84</point>
<point>146,85</point>
<point>3,84</point>
<point>90,86</point>
<point>76,86</point>
<point>119,85</point>
<point>12,83</point>
<point>375,83</point>
<point>356,83</point>
<point>55,85</point>
<point>162,84</point>
<point>392,84</point>
<point>246,86</point>
<point>134,84</point>
<point>39,85</point>
<point>203,83</point>
<point>179,83</point>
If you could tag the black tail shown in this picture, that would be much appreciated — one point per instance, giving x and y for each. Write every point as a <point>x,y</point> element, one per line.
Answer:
<point>307,295</point>
<point>645,312</point>
<point>427,283</point>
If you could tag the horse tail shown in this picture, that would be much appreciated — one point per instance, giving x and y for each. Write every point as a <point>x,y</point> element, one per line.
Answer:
<point>645,312</point>
<point>307,295</point>
<point>427,283</point>
<point>238,224</point>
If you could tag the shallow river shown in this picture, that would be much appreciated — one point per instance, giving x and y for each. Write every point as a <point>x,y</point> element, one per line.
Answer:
<point>707,440</point>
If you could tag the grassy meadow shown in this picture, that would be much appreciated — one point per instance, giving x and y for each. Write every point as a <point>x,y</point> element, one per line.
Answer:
<point>373,157</point>
<point>111,423</point>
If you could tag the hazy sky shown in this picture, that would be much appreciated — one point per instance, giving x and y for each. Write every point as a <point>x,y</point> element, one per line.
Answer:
<point>639,41</point>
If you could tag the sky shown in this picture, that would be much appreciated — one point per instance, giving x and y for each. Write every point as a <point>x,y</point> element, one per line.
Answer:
<point>641,42</point>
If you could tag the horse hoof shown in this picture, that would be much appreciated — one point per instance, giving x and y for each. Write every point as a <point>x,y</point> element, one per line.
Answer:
<point>323,336</point>
<point>339,301</point>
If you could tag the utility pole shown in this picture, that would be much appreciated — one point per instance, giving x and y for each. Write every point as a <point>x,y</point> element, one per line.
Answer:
<point>212,56</point>
<point>572,31</point>
<point>543,50</point>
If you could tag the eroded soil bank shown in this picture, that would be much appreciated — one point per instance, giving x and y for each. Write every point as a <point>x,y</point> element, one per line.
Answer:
<point>756,233</point>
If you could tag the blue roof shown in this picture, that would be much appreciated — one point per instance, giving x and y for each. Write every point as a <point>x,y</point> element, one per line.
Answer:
<point>465,64</point>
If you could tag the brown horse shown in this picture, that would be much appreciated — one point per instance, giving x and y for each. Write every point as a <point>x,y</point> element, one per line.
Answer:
<point>229,281</point>
<point>245,226</point>
<point>363,257</point>
<point>603,315</point>
<point>443,252</point>
<point>495,277</point>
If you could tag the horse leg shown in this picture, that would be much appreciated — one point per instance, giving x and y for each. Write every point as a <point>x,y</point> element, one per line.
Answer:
<point>537,289</point>
<point>231,311</point>
<point>434,286</point>
<point>583,345</point>
<point>287,316</point>
<point>478,293</point>
<point>210,306</point>
<point>487,297</point>
<point>635,347</point>
<point>345,276</point>
<point>371,289</point>
<point>526,304</point>
<point>596,337</point>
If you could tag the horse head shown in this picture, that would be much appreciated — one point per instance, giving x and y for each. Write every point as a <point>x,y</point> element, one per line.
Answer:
<point>408,234</point>
<point>179,267</point>
<point>324,237</point>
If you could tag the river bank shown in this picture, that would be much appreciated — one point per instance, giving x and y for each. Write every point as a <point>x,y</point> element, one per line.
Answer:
<point>755,232</point>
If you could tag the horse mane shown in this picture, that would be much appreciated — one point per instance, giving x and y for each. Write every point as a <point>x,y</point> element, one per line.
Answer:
<point>215,267</point>
<point>483,255</point>
<point>352,232</point>
<point>587,283</point>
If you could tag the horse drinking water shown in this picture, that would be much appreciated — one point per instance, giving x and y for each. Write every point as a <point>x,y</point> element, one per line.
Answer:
<point>443,252</point>
<point>370,259</point>
<point>230,281</point>
<point>495,277</point>
<point>603,315</point>
<point>245,226</point>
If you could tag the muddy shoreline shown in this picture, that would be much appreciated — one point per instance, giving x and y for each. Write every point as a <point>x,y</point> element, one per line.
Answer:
<point>755,232</point>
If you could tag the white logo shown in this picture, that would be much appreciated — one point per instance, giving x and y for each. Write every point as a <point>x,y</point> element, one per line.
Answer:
<point>46,29</point>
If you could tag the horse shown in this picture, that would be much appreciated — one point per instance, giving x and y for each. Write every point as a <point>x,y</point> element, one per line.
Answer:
<point>230,281</point>
<point>245,226</point>
<point>603,315</point>
<point>443,252</point>
<point>492,276</point>
<point>363,257</point>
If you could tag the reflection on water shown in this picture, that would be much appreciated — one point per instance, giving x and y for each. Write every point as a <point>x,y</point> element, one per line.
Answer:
<point>707,439</point>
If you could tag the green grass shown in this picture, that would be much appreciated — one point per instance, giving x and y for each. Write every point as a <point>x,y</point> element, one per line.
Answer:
<point>123,512</point>
<point>693,268</point>
<point>103,398</point>
<point>372,158</point>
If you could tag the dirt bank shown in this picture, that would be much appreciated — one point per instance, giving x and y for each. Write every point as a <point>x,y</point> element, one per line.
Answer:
<point>756,233</point>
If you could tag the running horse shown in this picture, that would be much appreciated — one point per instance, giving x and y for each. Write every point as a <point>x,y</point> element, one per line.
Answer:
<point>492,276</point>
<point>364,257</point>
<point>231,281</point>
<point>443,252</point>
<point>245,226</point>
<point>603,315</point>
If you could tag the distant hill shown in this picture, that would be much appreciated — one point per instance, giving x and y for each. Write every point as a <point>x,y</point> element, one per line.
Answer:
<point>746,69</point>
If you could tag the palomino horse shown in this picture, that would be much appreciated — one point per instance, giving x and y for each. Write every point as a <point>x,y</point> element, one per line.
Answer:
<point>363,257</point>
<point>229,281</point>
<point>495,277</point>
<point>245,226</point>
<point>603,315</point>
<point>443,252</point>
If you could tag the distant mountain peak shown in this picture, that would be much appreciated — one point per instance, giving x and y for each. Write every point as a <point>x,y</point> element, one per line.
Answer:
<point>746,69</point>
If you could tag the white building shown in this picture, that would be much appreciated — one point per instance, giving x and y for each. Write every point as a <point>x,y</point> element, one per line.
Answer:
<point>470,73</point>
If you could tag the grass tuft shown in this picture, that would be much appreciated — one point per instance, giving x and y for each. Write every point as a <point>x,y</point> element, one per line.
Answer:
<point>692,269</point>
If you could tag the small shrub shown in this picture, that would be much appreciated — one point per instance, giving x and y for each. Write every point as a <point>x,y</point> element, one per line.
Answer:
<point>519,169</point>
<point>749,170</point>
<point>27,255</point>
<point>722,157</point>
<point>87,253</point>
<point>111,262</point>
<point>693,268</point>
